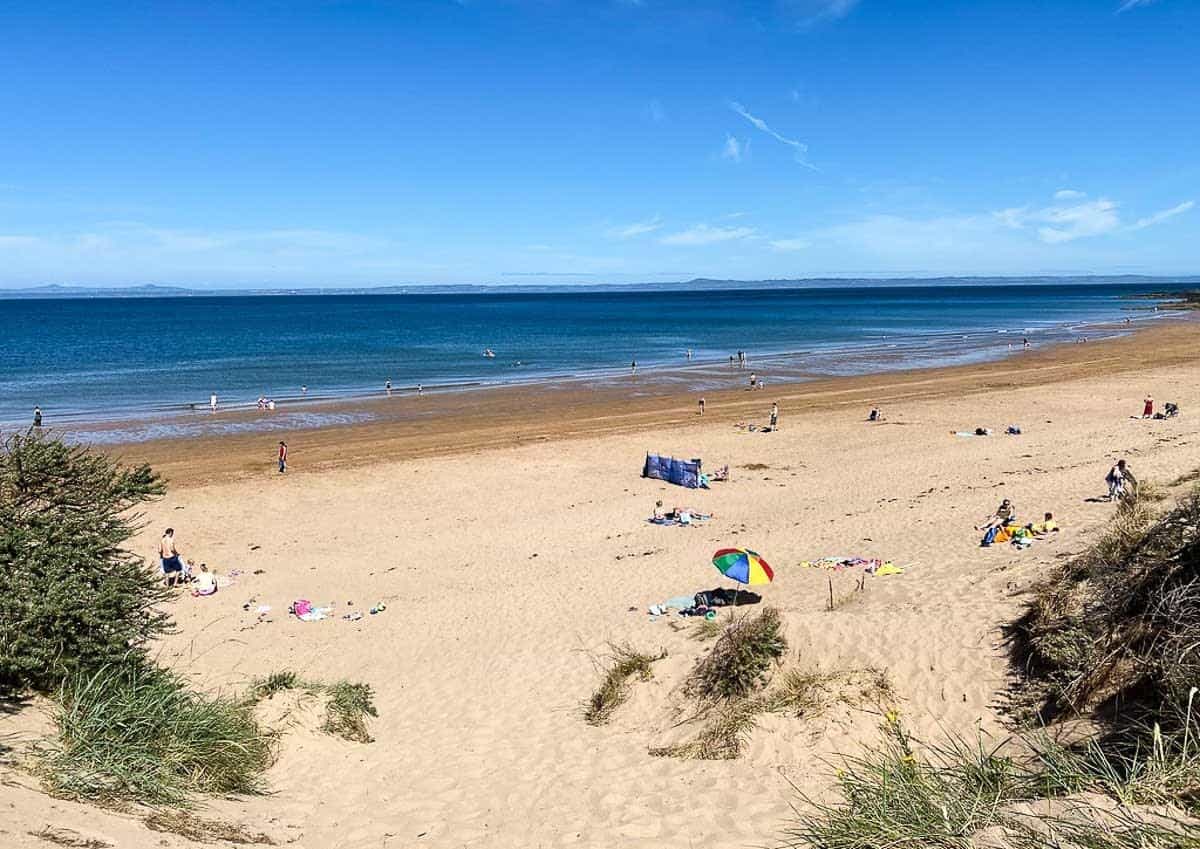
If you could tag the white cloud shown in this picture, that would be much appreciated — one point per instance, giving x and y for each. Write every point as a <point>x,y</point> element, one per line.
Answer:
<point>1163,215</point>
<point>790,245</point>
<point>734,149</point>
<point>637,228</point>
<point>1069,194</point>
<point>799,147</point>
<point>1064,222</point>
<point>703,234</point>
<point>1133,4</point>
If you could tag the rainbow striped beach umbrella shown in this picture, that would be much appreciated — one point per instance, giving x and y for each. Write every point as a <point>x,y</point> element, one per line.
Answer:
<point>743,565</point>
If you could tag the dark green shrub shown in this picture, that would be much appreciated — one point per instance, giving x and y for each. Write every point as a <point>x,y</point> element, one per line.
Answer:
<point>72,598</point>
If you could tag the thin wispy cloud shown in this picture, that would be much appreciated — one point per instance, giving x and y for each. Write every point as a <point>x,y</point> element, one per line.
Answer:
<point>1069,194</point>
<point>807,13</point>
<point>1151,220</point>
<point>735,149</point>
<point>800,148</point>
<point>703,234</point>
<point>637,228</point>
<point>790,245</point>
<point>1130,5</point>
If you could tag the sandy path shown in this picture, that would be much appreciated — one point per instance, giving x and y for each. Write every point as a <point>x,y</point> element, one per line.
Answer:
<point>506,571</point>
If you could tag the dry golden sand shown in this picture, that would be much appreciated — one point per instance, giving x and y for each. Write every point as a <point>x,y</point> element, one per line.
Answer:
<point>509,561</point>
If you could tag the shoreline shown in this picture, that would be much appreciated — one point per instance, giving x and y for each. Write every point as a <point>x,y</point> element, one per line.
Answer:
<point>363,431</point>
<point>134,398</point>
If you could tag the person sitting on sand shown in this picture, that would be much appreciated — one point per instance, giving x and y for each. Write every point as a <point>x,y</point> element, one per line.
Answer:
<point>169,559</point>
<point>1005,515</point>
<point>1046,526</point>
<point>659,513</point>
<point>205,582</point>
<point>875,415</point>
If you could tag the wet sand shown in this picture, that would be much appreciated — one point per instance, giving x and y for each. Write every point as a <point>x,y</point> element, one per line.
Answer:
<point>411,426</point>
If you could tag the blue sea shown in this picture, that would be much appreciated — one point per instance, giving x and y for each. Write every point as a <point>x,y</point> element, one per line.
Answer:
<point>96,359</point>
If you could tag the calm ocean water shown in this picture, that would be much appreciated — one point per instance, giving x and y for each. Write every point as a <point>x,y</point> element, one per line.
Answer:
<point>89,359</point>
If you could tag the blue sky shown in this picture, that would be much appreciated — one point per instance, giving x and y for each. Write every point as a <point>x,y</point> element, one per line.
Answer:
<point>359,143</point>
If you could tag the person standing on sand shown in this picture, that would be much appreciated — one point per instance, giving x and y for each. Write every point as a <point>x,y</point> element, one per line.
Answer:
<point>1121,481</point>
<point>37,416</point>
<point>633,367</point>
<point>420,391</point>
<point>1148,408</point>
<point>212,402</point>
<point>775,417</point>
<point>702,405</point>
<point>168,555</point>
<point>304,389</point>
<point>387,387</point>
<point>282,456</point>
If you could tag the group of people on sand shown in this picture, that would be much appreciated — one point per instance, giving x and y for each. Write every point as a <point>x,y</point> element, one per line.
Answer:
<point>177,572</point>
<point>1169,410</point>
<point>1002,524</point>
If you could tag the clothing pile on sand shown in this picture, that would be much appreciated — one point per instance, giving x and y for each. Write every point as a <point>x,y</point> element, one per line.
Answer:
<point>869,565</point>
<point>705,602</point>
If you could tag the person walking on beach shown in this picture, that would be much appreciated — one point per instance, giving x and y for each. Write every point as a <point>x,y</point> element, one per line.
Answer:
<point>169,560</point>
<point>1121,481</point>
<point>282,456</point>
<point>37,416</point>
<point>753,380</point>
<point>420,391</point>
<point>633,367</point>
<point>388,387</point>
<point>702,405</point>
<point>1148,408</point>
<point>775,417</point>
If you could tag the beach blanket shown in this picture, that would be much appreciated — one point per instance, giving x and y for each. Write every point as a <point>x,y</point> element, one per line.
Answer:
<point>673,470</point>
<point>869,565</point>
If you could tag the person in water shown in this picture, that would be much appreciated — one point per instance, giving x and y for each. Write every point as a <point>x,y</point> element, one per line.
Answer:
<point>37,416</point>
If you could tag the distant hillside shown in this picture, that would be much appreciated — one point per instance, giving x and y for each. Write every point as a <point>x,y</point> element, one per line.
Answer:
<point>152,290</point>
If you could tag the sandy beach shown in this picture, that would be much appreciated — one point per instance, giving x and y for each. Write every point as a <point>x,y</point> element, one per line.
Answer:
<point>507,535</point>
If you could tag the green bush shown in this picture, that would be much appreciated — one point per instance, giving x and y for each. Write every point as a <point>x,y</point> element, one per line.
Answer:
<point>136,732</point>
<point>738,663</point>
<point>72,598</point>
